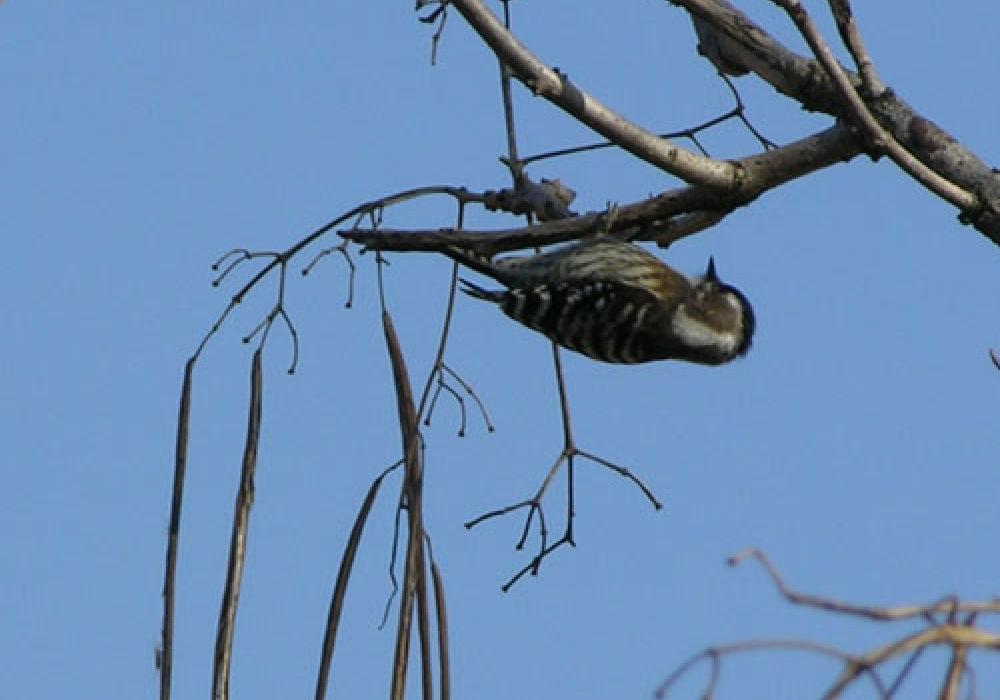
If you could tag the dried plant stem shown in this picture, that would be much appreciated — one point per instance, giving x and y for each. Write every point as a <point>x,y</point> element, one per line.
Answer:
<point>165,653</point>
<point>414,575</point>
<point>238,541</point>
<point>340,587</point>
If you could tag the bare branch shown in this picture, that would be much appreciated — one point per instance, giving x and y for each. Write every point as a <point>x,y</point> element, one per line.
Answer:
<point>902,612</point>
<point>715,654</point>
<point>806,81</point>
<point>881,139</point>
<point>951,635</point>
<point>638,220</point>
<point>557,89</point>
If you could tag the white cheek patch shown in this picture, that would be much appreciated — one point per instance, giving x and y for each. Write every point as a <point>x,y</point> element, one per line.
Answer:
<point>734,302</point>
<point>697,334</point>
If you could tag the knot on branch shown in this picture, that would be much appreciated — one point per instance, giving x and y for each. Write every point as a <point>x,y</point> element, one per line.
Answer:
<point>547,200</point>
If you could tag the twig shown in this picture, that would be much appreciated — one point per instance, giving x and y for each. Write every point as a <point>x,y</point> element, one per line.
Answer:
<point>238,541</point>
<point>716,653</point>
<point>534,504</point>
<point>351,267</point>
<point>851,36</point>
<point>956,669</point>
<point>281,259</point>
<point>902,612</point>
<point>165,653</point>
<point>439,13</point>
<point>951,635</point>
<point>687,133</point>
<point>343,578</point>
<point>441,617</point>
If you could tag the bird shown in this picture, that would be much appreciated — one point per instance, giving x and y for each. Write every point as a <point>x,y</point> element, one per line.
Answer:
<point>612,301</point>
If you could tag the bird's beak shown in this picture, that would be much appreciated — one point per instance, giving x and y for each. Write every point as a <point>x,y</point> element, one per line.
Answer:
<point>710,272</point>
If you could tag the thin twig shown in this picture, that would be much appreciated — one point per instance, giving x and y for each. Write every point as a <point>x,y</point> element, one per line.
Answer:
<point>351,267</point>
<point>901,612</point>
<point>897,682</point>
<point>850,34</point>
<point>340,587</point>
<point>281,259</point>
<point>715,654</point>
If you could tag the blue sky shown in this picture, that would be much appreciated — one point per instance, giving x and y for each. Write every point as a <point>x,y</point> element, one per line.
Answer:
<point>856,444</point>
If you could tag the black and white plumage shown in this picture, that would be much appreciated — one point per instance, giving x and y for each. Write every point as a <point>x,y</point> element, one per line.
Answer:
<point>612,301</point>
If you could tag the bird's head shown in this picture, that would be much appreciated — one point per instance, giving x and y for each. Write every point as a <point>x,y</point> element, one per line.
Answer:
<point>716,319</point>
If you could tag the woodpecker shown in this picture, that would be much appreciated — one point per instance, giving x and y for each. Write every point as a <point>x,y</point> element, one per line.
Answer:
<point>614,302</point>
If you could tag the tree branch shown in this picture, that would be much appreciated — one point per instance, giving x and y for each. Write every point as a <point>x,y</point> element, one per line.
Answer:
<point>556,87</point>
<point>640,220</point>
<point>745,44</point>
<point>881,139</point>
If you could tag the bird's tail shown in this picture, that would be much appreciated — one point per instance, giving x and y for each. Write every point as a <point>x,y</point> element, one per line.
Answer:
<point>474,290</point>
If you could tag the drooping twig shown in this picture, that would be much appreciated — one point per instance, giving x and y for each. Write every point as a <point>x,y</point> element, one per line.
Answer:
<point>412,489</point>
<point>439,15</point>
<point>238,541</point>
<point>165,653</point>
<point>441,620</point>
<point>535,506</point>
<point>351,267</point>
<point>439,368</point>
<point>415,577</point>
<point>340,587</point>
<point>281,259</point>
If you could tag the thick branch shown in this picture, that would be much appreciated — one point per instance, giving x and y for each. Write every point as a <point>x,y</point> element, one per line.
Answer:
<point>639,220</point>
<point>745,44</point>
<point>557,89</point>
<point>860,115</point>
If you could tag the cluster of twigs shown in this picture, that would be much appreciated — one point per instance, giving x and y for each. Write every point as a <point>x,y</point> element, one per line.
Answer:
<point>950,623</point>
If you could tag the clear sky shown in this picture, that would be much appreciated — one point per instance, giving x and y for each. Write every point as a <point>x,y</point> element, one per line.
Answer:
<point>857,444</point>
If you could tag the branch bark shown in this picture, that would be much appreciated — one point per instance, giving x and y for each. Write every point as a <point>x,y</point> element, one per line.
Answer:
<point>745,44</point>
<point>639,220</point>
<point>556,87</point>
